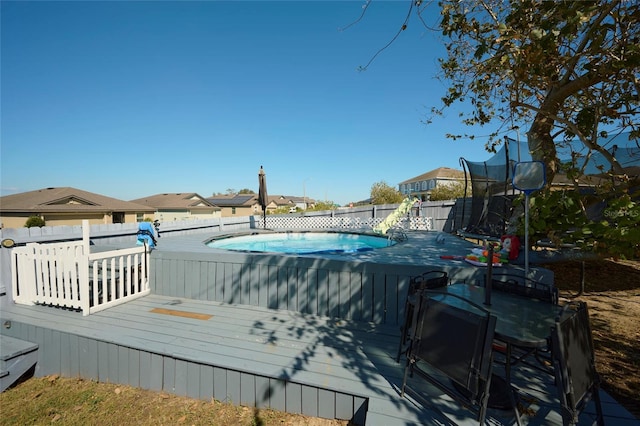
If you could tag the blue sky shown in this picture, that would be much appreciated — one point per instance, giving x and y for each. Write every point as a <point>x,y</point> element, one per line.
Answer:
<point>129,99</point>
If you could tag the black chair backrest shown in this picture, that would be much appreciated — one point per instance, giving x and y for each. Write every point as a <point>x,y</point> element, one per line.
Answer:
<point>574,362</point>
<point>428,280</point>
<point>526,287</point>
<point>454,336</point>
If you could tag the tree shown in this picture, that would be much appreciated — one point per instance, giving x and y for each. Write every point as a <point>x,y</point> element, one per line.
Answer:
<point>449,191</point>
<point>567,70</point>
<point>324,205</point>
<point>246,191</point>
<point>382,193</point>
<point>570,69</point>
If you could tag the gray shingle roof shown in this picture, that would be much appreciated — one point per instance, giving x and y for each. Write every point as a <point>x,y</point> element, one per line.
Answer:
<point>179,200</point>
<point>234,200</point>
<point>439,173</point>
<point>66,199</point>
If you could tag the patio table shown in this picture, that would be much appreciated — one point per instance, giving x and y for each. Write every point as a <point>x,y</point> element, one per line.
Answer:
<point>520,321</point>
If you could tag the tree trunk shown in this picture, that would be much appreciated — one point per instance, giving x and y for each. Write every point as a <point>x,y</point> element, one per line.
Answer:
<point>542,147</point>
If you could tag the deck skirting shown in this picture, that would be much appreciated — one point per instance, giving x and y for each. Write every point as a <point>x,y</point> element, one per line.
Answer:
<point>247,356</point>
<point>351,290</point>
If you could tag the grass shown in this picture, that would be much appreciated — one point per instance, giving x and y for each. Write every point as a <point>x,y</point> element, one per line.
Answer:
<point>67,401</point>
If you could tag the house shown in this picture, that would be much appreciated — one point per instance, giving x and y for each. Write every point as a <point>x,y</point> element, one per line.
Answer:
<point>170,207</point>
<point>69,206</point>
<point>421,186</point>
<point>302,203</point>
<point>239,205</point>
<point>247,204</point>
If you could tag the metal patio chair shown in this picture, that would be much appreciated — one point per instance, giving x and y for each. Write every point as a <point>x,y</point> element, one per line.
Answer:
<point>574,364</point>
<point>524,286</point>
<point>426,280</point>
<point>530,288</point>
<point>451,349</point>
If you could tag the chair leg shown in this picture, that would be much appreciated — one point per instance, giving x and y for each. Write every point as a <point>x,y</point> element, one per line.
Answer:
<point>514,403</point>
<point>403,332</point>
<point>598,403</point>
<point>404,380</point>
<point>403,340</point>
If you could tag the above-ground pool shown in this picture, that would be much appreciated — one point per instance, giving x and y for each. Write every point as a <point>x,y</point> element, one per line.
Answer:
<point>302,242</point>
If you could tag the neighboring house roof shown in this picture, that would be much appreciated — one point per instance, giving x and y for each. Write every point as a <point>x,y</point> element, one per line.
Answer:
<point>191,201</point>
<point>66,199</point>
<point>282,200</point>
<point>439,173</point>
<point>248,200</point>
<point>297,199</point>
<point>242,200</point>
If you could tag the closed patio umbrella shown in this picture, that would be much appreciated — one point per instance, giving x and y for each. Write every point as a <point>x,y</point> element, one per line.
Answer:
<point>262,194</point>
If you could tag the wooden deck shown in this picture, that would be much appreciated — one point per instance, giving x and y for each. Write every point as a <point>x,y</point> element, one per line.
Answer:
<point>253,356</point>
<point>316,336</point>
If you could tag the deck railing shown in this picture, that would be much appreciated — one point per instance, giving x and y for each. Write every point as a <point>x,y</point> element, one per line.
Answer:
<point>68,275</point>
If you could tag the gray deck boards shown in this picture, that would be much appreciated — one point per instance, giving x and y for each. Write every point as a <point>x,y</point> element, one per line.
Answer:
<point>244,352</point>
<point>314,355</point>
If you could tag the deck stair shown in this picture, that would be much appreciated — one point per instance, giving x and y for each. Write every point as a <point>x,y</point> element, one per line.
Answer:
<point>16,358</point>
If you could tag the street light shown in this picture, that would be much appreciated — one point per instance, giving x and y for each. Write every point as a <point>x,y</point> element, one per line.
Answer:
<point>304,192</point>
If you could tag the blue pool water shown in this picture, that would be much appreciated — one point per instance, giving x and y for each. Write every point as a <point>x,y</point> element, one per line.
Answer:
<point>302,242</point>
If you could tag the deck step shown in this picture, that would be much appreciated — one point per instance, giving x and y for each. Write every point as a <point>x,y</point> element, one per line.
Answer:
<point>16,358</point>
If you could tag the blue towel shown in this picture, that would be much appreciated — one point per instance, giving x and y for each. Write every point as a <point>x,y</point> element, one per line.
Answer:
<point>146,232</point>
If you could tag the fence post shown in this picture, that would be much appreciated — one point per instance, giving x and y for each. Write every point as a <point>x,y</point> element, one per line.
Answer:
<point>83,269</point>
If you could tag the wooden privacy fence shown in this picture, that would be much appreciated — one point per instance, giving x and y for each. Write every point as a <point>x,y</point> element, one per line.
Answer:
<point>68,275</point>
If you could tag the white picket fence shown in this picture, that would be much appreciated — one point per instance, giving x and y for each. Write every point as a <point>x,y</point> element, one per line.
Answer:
<point>68,275</point>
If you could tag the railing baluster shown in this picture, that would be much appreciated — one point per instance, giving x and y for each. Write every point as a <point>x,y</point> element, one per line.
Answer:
<point>61,274</point>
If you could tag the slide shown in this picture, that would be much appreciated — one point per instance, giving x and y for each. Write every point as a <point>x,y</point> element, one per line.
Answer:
<point>393,218</point>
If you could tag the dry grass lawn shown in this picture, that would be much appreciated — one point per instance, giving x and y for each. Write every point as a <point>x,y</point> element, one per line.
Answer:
<point>52,399</point>
<point>612,293</point>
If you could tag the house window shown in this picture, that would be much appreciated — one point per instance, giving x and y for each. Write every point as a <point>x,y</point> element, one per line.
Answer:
<point>117,217</point>
<point>139,217</point>
<point>233,210</point>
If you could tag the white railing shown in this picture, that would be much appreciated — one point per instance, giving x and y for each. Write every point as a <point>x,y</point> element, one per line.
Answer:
<point>68,275</point>
<point>117,276</point>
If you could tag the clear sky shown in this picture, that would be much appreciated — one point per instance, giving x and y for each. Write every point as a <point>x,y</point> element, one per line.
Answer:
<point>130,99</point>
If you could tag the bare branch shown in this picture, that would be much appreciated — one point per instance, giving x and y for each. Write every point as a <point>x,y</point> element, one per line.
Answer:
<point>364,10</point>
<point>402,28</point>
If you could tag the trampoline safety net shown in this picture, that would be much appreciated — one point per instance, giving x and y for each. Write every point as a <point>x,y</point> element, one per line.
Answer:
<point>491,209</point>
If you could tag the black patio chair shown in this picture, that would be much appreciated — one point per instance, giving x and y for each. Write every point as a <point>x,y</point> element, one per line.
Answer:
<point>426,280</point>
<point>525,287</point>
<point>574,363</point>
<point>451,349</point>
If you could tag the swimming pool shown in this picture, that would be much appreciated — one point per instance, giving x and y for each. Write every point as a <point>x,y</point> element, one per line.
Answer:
<point>302,242</point>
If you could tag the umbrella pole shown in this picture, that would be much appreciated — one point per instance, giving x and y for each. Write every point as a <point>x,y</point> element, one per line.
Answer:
<point>526,235</point>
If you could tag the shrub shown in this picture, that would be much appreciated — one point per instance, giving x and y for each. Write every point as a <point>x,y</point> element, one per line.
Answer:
<point>34,221</point>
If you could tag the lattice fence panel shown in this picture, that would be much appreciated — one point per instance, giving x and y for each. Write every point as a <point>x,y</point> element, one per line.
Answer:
<point>418,223</point>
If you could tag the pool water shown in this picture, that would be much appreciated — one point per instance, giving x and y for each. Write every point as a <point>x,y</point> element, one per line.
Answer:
<point>302,242</point>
